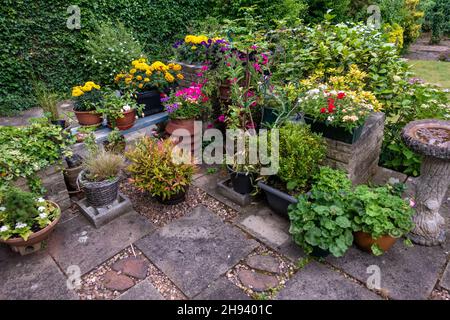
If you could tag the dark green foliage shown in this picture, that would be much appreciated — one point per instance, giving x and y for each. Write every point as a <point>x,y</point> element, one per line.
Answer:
<point>21,206</point>
<point>36,41</point>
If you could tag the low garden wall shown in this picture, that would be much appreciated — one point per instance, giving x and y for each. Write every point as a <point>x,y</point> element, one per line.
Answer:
<point>359,160</point>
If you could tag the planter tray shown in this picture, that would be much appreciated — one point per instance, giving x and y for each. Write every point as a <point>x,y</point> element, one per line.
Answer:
<point>224,187</point>
<point>278,201</point>
<point>101,216</point>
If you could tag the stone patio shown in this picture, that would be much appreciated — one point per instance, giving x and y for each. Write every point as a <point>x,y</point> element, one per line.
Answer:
<point>205,257</point>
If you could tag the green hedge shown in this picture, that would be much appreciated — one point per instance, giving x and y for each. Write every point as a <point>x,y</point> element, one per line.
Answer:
<point>37,44</point>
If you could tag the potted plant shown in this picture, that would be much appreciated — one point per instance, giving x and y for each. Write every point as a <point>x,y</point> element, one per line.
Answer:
<point>86,99</point>
<point>100,177</point>
<point>26,221</point>
<point>184,107</point>
<point>381,217</point>
<point>120,110</point>
<point>48,101</point>
<point>115,142</point>
<point>338,115</point>
<point>149,82</point>
<point>300,154</point>
<point>154,170</point>
<point>320,221</point>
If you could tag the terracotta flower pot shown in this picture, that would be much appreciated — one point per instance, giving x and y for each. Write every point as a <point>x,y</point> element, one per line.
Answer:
<point>88,118</point>
<point>364,241</point>
<point>188,125</point>
<point>32,244</point>
<point>126,122</point>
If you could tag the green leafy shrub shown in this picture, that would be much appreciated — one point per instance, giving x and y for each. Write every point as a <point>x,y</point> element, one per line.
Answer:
<point>300,153</point>
<point>318,8</point>
<point>109,50</point>
<point>380,212</point>
<point>153,169</point>
<point>21,214</point>
<point>321,219</point>
<point>26,150</point>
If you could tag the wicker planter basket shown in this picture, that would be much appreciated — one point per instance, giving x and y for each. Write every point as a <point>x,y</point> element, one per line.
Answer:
<point>99,194</point>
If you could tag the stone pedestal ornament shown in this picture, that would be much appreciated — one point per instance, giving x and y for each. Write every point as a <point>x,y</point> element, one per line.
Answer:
<point>430,138</point>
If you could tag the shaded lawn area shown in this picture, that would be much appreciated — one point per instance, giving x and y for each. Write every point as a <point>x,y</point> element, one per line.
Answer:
<point>436,72</point>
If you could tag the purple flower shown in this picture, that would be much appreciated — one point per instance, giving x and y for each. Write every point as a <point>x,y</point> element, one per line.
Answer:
<point>177,44</point>
<point>165,99</point>
<point>415,80</point>
<point>172,107</point>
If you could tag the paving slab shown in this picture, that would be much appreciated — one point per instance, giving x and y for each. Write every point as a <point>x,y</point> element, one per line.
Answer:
<point>144,290</point>
<point>318,282</point>
<point>222,289</point>
<point>77,242</point>
<point>32,277</point>
<point>383,175</point>
<point>406,272</point>
<point>265,225</point>
<point>445,280</point>
<point>196,249</point>
<point>292,251</point>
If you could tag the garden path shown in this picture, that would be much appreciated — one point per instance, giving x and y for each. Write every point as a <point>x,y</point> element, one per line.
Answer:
<point>206,255</point>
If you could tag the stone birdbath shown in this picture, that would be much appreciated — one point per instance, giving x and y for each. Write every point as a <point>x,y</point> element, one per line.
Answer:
<point>431,139</point>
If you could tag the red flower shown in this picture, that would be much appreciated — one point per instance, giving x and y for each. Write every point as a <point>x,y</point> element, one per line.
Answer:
<point>323,110</point>
<point>341,95</point>
<point>331,108</point>
<point>330,101</point>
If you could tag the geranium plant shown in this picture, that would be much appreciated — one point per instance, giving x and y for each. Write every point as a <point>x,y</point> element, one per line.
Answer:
<point>187,103</point>
<point>153,169</point>
<point>86,96</point>
<point>348,109</point>
<point>21,214</point>
<point>198,49</point>
<point>143,76</point>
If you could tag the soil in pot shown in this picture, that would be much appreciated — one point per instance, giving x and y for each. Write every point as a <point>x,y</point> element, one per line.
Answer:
<point>364,241</point>
<point>175,199</point>
<point>88,118</point>
<point>125,123</point>
<point>242,182</point>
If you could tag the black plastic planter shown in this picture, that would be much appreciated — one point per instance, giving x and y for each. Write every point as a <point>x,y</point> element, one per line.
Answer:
<point>278,201</point>
<point>151,100</point>
<point>61,123</point>
<point>242,182</point>
<point>269,116</point>
<point>175,199</point>
<point>335,133</point>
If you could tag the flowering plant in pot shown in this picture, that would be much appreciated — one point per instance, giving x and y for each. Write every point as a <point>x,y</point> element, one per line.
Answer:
<point>320,221</point>
<point>154,170</point>
<point>86,98</point>
<point>100,177</point>
<point>25,221</point>
<point>121,111</point>
<point>196,49</point>
<point>338,115</point>
<point>381,217</point>
<point>149,81</point>
<point>300,154</point>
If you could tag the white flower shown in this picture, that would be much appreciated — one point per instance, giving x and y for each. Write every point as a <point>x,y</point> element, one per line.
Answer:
<point>313,92</point>
<point>20,225</point>
<point>126,108</point>
<point>41,200</point>
<point>43,215</point>
<point>330,118</point>
<point>41,209</point>
<point>2,208</point>
<point>333,92</point>
<point>4,228</point>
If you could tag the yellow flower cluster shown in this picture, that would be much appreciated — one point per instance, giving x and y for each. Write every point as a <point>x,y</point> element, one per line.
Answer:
<point>87,87</point>
<point>142,73</point>
<point>191,39</point>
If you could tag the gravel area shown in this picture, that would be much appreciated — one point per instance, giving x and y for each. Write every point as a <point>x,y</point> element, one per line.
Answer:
<point>161,214</point>
<point>92,283</point>
<point>440,294</point>
<point>287,270</point>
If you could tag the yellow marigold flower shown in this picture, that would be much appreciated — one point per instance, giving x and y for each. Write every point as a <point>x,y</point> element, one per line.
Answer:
<point>146,80</point>
<point>86,87</point>
<point>139,78</point>
<point>133,71</point>
<point>177,67</point>
<point>142,60</point>
<point>148,72</point>
<point>134,62</point>
<point>140,85</point>
<point>180,76</point>
<point>169,77</point>
<point>76,91</point>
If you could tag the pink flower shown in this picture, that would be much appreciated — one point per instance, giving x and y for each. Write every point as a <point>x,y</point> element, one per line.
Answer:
<point>200,74</point>
<point>412,203</point>
<point>221,118</point>
<point>257,67</point>
<point>210,126</point>
<point>205,68</point>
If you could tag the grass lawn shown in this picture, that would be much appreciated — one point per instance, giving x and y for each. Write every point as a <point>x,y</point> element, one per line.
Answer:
<point>437,72</point>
